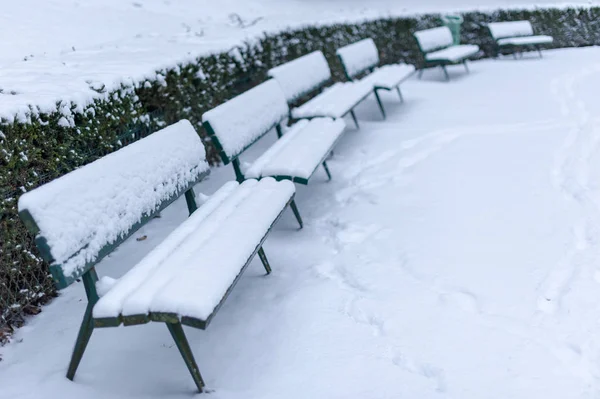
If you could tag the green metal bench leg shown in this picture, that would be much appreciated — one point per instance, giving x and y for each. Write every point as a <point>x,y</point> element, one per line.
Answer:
<point>420,73</point>
<point>85,332</point>
<point>326,170</point>
<point>296,213</point>
<point>279,131</point>
<point>264,260</point>
<point>354,119</point>
<point>539,51</point>
<point>466,66</point>
<point>176,330</point>
<point>446,73</point>
<point>87,325</point>
<point>190,199</point>
<point>400,94</point>
<point>380,104</point>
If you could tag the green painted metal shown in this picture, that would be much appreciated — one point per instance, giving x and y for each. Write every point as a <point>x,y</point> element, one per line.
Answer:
<point>297,213</point>
<point>134,320</point>
<point>237,168</point>
<point>354,119</point>
<point>181,341</point>
<point>60,279</point>
<point>326,170</point>
<point>166,317</point>
<point>87,325</point>
<point>279,131</point>
<point>264,260</point>
<point>380,104</point>
<point>400,94</point>
<point>190,200</point>
<point>228,158</point>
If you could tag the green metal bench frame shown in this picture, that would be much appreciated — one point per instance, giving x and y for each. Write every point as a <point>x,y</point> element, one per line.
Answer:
<point>368,70</point>
<point>89,277</point>
<point>239,175</point>
<point>308,95</point>
<point>513,48</point>
<point>436,63</point>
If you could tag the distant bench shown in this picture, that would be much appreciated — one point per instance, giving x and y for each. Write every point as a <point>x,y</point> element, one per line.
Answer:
<point>516,35</point>
<point>362,59</point>
<point>80,218</point>
<point>310,74</point>
<point>237,124</point>
<point>438,49</point>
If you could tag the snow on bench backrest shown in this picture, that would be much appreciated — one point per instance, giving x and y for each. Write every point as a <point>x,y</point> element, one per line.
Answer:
<point>501,30</point>
<point>302,75</point>
<point>359,57</point>
<point>79,216</point>
<point>434,39</point>
<point>236,124</point>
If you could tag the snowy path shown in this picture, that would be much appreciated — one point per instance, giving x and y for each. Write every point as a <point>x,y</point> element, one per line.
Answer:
<point>454,255</point>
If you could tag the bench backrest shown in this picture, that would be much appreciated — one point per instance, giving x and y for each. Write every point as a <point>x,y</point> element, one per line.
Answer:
<point>434,39</point>
<point>84,215</point>
<point>358,57</point>
<point>302,75</point>
<point>500,30</point>
<point>238,123</point>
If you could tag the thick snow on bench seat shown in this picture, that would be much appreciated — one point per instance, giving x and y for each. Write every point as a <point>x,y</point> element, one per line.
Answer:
<point>525,40</point>
<point>358,57</point>
<point>433,39</point>
<point>335,101</point>
<point>300,151</point>
<point>240,121</point>
<point>302,75</point>
<point>453,53</point>
<point>93,206</point>
<point>189,273</point>
<point>389,76</point>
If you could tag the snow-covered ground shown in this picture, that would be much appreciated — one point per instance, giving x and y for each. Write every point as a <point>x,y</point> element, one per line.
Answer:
<point>454,255</point>
<point>56,49</point>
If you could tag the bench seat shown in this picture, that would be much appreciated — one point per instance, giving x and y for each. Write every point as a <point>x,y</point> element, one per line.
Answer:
<point>453,54</point>
<point>300,151</point>
<point>188,275</point>
<point>525,40</point>
<point>389,77</point>
<point>335,101</point>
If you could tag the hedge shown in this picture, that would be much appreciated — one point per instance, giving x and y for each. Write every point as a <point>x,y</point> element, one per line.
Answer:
<point>49,145</point>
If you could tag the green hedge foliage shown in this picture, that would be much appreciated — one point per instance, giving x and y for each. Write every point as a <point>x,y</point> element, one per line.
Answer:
<point>49,145</point>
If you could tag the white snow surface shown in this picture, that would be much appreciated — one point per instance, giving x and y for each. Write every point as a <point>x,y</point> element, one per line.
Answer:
<point>389,76</point>
<point>302,75</point>
<point>81,212</point>
<point>500,30</point>
<point>435,38</point>
<point>524,40</point>
<point>59,50</point>
<point>454,53</point>
<point>300,151</point>
<point>455,254</point>
<point>189,273</point>
<point>335,101</point>
<point>238,122</point>
<point>359,56</point>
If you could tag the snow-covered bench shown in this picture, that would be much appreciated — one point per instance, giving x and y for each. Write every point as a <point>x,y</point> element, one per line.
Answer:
<point>309,74</point>
<point>237,124</point>
<point>438,49</point>
<point>516,35</point>
<point>362,58</point>
<point>80,218</point>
